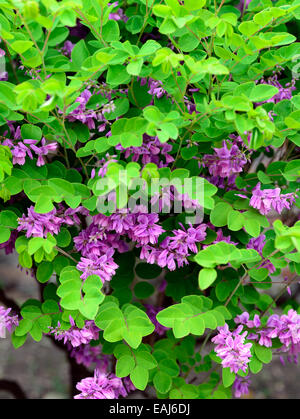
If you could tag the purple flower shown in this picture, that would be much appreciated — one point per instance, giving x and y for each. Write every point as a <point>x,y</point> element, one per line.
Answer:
<point>128,384</point>
<point>146,230</point>
<point>117,15</point>
<point>243,5</point>
<point>287,328</point>
<point>3,74</point>
<point>258,244</point>
<point>70,216</point>
<point>39,225</point>
<point>102,166</point>
<point>241,386</point>
<point>76,336</point>
<point>221,238</point>
<point>67,48</point>
<point>175,249</point>
<point>90,241</point>
<point>232,349</point>
<point>88,355</point>
<point>21,149</point>
<point>7,321</point>
<point>244,319</point>
<point>156,89</point>
<point>103,266</point>
<point>226,161</point>
<point>266,199</point>
<point>43,150</point>
<point>184,240</point>
<point>151,151</point>
<point>87,116</point>
<point>101,386</point>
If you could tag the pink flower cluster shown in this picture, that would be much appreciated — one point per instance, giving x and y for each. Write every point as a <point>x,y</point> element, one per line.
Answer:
<point>39,225</point>
<point>99,241</point>
<point>266,199</point>
<point>103,386</point>
<point>7,321</point>
<point>175,249</point>
<point>155,87</point>
<point>76,336</point>
<point>241,386</point>
<point>21,149</point>
<point>232,349</point>
<point>258,243</point>
<point>87,116</point>
<point>88,355</point>
<point>227,162</point>
<point>285,327</point>
<point>152,151</point>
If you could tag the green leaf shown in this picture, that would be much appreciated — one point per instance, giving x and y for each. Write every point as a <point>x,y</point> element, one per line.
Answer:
<point>36,332</point>
<point>4,234</point>
<point>31,312</point>
<point>218,216</point>
<point>145,359</point>
<point>170,367</point>
<point>139,377</point>
<point>263,178</point>
<point>43,205</point>
<point>117,75</point>
<point>227,377</point>
<point>292,121</point>
<point>188,42</point>
<point>255,365</point>
<point>8,219</point>
<point>111,31</point>
<point>143,290</point>
<point>21,46</point>
<point>248,28</point>
<point>162,382</point>
<point>79,53</point>
<point>31,132</point>
<point>147,271</point>
<point>130,323</point>
<point>192,315</point>
<point>24,327</point>
<point>235,220</point>
<point>44,272</point>
<point>207,276</point>
<point>135,24</point>
<point>262,92</point>
<point>135,66</point>
<point>63,238</point>
<point>93,296</point>
<point>124,366</point>
<point>292,171</point>
<point>258,274</point>
<point>18,341</point>
<point>263,353</point>
<point>252,227</point>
